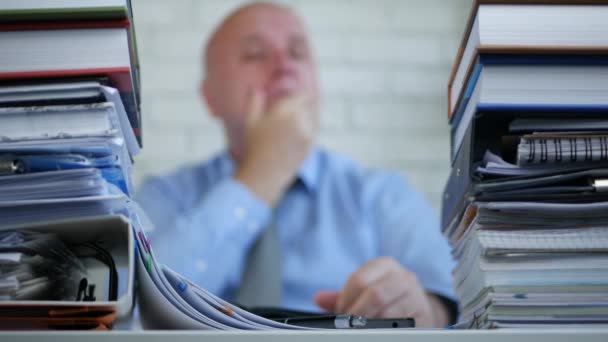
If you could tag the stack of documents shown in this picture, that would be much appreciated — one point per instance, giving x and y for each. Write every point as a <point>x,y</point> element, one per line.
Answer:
<point>49,41</point>
<point>69,129</point>
<point>169,301</point>
<point>527,264</point>
<point>63,156</point>
<point>526,206</point>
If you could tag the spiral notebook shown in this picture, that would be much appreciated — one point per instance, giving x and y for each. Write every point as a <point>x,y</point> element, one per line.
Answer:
<point>563,148</point>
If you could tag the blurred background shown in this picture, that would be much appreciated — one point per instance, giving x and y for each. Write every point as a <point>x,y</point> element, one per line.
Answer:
<point>384,67</point>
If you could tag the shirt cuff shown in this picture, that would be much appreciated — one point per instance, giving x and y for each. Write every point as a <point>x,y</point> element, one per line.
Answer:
<point>233,213</point>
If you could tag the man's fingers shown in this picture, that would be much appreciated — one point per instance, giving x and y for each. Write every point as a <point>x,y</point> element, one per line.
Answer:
<point>362,279</point>
<point>380,295</point>
<point>299,109</point>
<point>290,105</point>
<point>255,108</point>
<point>400,308</point>
<point>327,300</point>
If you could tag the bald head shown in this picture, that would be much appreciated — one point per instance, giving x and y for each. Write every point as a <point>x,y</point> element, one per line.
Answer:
<point>222,33</point>
<point>261,46</point>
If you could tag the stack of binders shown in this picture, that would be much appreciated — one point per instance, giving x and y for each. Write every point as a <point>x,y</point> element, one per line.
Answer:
<point>526,206</point>
<point>69,128</point>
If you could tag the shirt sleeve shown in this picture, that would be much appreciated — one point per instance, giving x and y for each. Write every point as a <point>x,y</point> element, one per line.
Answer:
<point>410,232</point>
<point>206,240</point>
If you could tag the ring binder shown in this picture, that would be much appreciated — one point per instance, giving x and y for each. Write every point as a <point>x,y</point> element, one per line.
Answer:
<point>562,148</point>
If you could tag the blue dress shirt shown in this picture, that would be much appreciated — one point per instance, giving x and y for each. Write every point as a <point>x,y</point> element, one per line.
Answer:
<point>338,216</point>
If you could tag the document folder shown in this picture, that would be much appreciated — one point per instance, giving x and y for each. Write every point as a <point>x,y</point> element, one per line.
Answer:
<point>112,233</point>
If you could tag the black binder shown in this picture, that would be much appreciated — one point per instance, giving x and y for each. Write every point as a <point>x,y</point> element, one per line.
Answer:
<point>492,131</point>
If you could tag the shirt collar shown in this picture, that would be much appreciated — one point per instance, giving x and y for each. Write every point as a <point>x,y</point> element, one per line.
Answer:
<point>309,170</point>
<point>308,173</point>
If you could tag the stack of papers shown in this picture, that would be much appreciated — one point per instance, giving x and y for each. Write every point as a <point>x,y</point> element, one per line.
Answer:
<point>524,264</point>
<point>532,246</point>
<point>49,42</point>
<point>526,206</point>
<point>169,301</point>
<point>62,161</point>
<point>69,130</point>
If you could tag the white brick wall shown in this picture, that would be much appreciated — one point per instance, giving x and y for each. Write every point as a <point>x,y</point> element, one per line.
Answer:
<point>384,67</point>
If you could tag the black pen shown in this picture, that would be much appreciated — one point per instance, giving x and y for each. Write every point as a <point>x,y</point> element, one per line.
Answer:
<point>349,322</point>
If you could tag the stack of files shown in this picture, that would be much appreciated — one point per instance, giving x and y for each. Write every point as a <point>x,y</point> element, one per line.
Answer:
<point>69,130</point>
<point>531,264</point>
<point>85,133</point>
<point>530,55</point>
<point>48,40</point>
<point>169,301</point>
<point>524,208</point>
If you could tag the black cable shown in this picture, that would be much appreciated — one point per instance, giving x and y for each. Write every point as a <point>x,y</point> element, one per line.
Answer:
<point>105,257</point>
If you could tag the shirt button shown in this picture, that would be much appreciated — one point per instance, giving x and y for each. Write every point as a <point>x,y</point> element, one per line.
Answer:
<point>200,265</point>
<point>240,213</point>
<point>252,226</point>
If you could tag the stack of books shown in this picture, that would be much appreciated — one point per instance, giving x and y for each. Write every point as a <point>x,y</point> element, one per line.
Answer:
<point>525,207</point>
<point>69,128</point>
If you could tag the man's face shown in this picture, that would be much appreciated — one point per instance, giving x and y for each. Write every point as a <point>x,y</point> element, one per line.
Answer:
<point>263,47</point>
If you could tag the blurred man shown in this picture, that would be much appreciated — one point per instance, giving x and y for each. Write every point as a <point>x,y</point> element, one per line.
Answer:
<point>351,239</point>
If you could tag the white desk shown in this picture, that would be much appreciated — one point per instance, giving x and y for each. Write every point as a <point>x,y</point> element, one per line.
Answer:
<point>557,335</point>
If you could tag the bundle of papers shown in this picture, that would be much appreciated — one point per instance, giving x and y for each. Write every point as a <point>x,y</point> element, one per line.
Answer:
<point>64,109</point>
<point>536,262</point>
<point>63,160</point>
<point>66,153</point>
<point>69,129</point>
<point>169,301</point>
<point>68,136</point>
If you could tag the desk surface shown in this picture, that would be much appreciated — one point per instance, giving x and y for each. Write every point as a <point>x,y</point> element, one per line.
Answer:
<point>553,335</point>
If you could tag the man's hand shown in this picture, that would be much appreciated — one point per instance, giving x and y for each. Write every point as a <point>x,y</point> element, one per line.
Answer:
<point>277,142</point>
<point>382,288</point>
